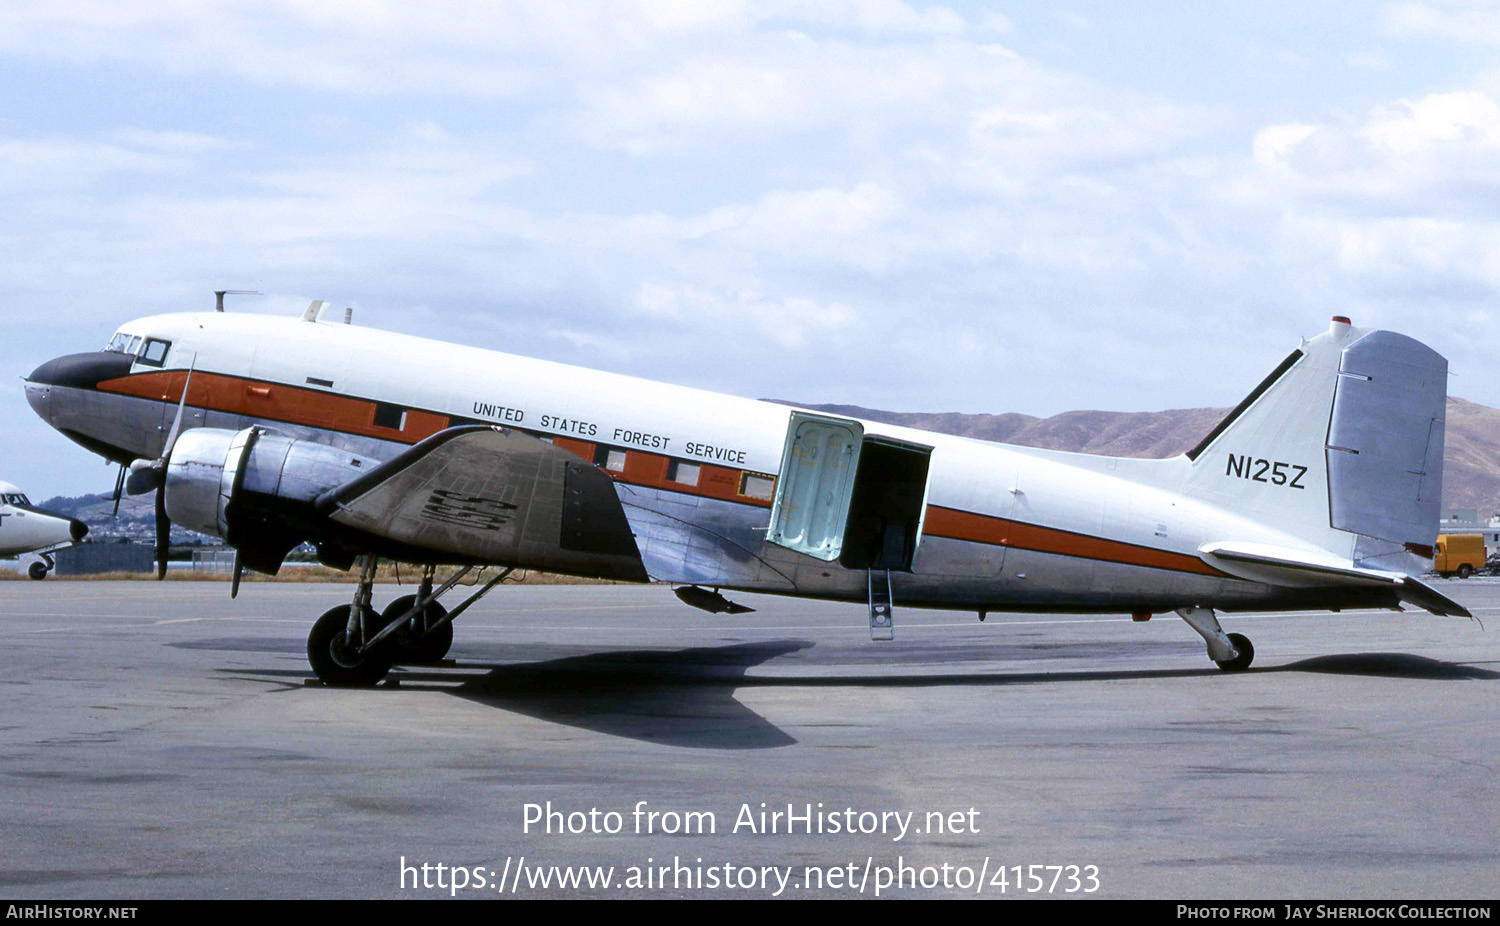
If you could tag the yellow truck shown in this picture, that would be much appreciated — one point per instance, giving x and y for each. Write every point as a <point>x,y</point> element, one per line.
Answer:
<point>1458,554</point>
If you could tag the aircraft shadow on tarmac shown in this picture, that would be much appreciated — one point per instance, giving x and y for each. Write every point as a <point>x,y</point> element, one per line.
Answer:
<point>686,697</point>
<point>676,697</point>
<point>1388,665</point>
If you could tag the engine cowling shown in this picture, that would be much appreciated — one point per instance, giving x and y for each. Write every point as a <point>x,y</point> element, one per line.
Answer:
<point>255,488</point>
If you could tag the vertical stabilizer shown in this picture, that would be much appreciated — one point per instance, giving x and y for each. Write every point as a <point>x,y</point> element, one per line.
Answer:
<point>1342,447</point>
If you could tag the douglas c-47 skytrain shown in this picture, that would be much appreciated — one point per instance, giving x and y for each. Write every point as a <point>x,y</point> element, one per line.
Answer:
<point>1320,490</point>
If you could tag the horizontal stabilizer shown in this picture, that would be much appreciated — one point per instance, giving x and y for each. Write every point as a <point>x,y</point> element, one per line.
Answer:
<point>1292,568</point>
<point>1419,593</point>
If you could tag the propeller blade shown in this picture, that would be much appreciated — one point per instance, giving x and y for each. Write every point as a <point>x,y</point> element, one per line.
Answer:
<point>146,475</point>
<point>119,489</point>
<point>239,570</point>
<point>166,450</point>
<point>163,534</point>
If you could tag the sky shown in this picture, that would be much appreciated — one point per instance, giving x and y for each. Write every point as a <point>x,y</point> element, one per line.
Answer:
<point>977,207</point>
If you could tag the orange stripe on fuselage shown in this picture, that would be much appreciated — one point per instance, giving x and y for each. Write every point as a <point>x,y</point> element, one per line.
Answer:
<point>316,408</point>
<point>276,402</point>
<point>319,409</point>
<point>978,528</point>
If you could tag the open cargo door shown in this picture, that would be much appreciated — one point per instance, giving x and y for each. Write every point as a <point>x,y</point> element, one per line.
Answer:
<point>847,497</point>
<point>811,506</point>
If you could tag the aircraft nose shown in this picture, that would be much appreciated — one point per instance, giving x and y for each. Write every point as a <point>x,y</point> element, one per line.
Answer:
<point>40,399</point>
<point>83,371</point>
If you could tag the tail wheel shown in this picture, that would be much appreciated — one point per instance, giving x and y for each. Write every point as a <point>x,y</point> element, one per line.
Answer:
<point>1465,570</point>
<point>37,571</point>
<point>412,645</point>
<point>337,663</point>
<point>1246,654</point>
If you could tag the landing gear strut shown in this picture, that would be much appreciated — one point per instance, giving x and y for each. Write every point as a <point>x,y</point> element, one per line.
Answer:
<point>1231,652</point>
<point>354,646</point>
<point>336,647</point>
<point>426,636</point>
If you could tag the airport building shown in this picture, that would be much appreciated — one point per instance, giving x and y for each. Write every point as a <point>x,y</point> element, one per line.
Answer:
<point>1468,521</point>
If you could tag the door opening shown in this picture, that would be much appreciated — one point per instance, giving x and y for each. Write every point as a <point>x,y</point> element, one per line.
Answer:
<point>885,512</point>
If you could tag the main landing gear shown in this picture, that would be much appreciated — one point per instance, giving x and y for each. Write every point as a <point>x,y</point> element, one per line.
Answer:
<point>353,646</point>
<point>1232,652</point>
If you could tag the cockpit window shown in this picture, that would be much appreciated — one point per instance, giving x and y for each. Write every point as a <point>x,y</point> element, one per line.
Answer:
<point>151,352</point>
<point>155,352</point>
<point>19,500</point>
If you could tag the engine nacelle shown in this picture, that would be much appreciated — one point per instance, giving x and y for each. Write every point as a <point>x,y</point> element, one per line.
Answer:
<point>255,488</point>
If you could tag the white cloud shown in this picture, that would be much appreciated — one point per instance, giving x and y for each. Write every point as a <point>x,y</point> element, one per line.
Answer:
<point>187,144</point>
<point>1461,21</point>
<point>786,321</point>
<point>1433,155</point>
<point>466,47</point>
<point>878,201</point>
<point>34,166</point>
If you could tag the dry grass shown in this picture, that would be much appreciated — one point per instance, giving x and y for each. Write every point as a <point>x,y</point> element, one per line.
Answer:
<point>387,573</point>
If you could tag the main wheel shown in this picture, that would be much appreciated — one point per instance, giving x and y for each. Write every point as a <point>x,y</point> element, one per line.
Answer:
<point>37,571</point>
<point>336,662</point>
<point>1465,570</point>
<point>1241,662</point>
<point>412,645</point>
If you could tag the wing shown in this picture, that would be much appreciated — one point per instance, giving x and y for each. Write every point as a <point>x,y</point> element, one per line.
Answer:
<point>481,494</point>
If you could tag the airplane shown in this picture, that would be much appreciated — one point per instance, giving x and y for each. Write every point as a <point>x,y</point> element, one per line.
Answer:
<point>1319,491</point>
<point>24,529</point>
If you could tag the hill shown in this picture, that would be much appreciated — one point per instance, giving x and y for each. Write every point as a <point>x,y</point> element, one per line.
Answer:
<point>1471,473</point>
<point>1471,466</point>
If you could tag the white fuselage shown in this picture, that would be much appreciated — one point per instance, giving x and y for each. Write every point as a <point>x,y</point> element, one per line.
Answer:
<point>1003,527</point>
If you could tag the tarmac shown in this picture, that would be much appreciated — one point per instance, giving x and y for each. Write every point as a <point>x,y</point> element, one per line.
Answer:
<point>161,740</point>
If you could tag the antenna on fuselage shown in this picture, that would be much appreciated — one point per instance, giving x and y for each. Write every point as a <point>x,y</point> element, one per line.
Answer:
<point>219,295</point>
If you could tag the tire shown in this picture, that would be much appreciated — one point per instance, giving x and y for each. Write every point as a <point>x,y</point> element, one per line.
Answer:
<point>1241,662</point>
<point>335,664</point>
<point>1465,570</point>
<point>37,571</point>
<point>412,648</point>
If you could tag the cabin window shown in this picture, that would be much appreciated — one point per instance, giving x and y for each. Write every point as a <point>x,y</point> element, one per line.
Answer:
<point>610,458</point>
<point>754,485</point>
<point>389,416</point>
<point>155,352</point>
<point>683,472</point>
